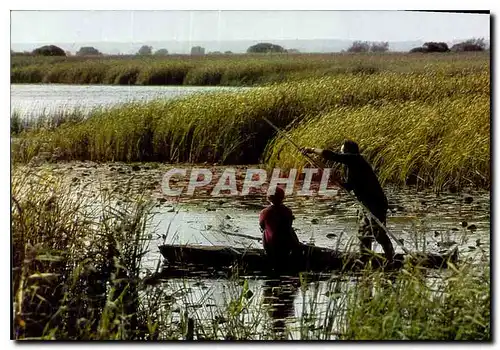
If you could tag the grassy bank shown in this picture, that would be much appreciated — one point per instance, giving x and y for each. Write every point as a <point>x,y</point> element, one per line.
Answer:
<point>432,127</point>
<point>77,267</point>
<point>410,306</point>
<point>229,70</point>
<point>75,262</point>
<point>443,143</point>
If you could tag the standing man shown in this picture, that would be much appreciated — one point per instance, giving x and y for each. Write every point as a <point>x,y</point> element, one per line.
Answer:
<point>361,179</point>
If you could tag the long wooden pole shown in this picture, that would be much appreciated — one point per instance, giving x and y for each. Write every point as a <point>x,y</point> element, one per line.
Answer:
<point>313,162</point>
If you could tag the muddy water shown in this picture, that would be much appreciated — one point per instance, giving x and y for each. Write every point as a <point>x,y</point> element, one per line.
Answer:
<point>424,221</point>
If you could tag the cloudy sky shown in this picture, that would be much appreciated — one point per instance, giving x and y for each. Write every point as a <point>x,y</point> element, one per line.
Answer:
<point>138,26</point>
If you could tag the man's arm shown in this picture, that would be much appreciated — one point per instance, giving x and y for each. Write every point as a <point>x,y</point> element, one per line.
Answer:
<point>343,158</point>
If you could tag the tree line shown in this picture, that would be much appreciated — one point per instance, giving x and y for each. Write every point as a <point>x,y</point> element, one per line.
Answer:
<point>474,44</point>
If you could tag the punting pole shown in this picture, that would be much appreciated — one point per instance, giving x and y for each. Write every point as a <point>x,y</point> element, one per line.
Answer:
<point>315,163</point>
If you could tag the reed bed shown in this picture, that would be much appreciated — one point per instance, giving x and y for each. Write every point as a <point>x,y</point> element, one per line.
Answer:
<point>233,70</point>
<point>75,261</point>
<point>411,305</point>
<point>47,120</point>
<point>431,127</point>
<point>442,143</point>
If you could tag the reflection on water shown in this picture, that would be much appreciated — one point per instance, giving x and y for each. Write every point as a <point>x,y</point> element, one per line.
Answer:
<point>279,296</point>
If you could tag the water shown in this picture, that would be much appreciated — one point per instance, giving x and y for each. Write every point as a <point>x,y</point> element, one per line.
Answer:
<point>329,222</point>
<point>204,219</point>
<point>424,220</point>
<point>32,100</point>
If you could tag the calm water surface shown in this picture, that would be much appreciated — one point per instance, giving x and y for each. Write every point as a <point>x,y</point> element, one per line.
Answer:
<point>31,100</point>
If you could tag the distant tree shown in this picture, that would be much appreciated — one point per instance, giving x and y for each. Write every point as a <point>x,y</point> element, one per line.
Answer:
<point>382,46</point>
<point>145,50</point>
<point>431,46</point>
<point>197,50</point>
<point>88,51</point>
<point>265,48</point>
<point>435,47</point>
<point>215,53</point>
<point>293,51</point>
<point>49,50</point>
<point>161,52</point>
<point>228,52</point>
<point>359,46</point>
<point>481,42</point>
<point>417,49</point>
<point>473,44</point>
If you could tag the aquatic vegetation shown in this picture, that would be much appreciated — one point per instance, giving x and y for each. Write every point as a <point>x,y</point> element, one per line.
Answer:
<point>413,306</point>
<point>428,128</point>
<point>78,273</point>
<point>436,143</point>
<point>46,120</point>
<point>237,70</point>
<point>75,262</point>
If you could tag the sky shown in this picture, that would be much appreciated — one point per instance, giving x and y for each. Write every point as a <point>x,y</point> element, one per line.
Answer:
<point>140,26</point>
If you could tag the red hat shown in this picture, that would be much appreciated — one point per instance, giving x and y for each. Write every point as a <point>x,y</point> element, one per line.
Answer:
<point>278,196</point>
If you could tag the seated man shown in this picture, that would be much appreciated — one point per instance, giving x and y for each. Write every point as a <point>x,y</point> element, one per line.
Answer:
<point>361,179</point>
<point>279,238</point>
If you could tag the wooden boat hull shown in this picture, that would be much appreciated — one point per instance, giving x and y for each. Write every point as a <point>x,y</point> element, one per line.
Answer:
<point>183,260</point>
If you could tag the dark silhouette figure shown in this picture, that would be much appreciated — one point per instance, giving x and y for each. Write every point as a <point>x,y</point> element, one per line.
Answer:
<point>361,179</point>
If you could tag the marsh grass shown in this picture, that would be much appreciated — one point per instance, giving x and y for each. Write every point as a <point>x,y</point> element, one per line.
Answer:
<point>431,128</point>
<point>46,120</point>
<point>440,144</point>
<point>413,306</point>
<point>235,70</point>
<point>75,263</point>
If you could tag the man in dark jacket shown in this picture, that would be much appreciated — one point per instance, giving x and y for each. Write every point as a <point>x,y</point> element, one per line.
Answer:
<point>279,238</point>
<point>361,179</point>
